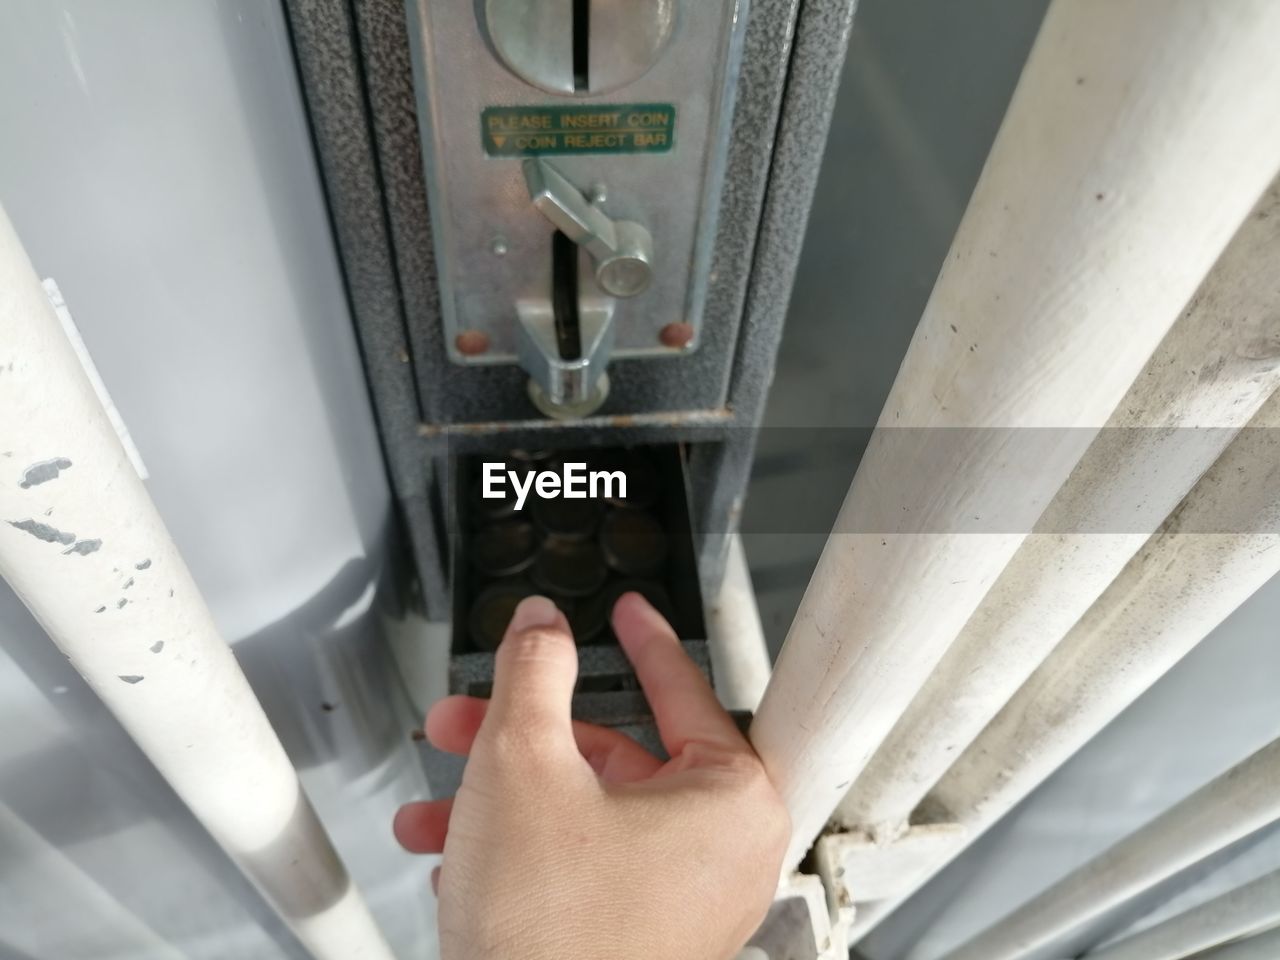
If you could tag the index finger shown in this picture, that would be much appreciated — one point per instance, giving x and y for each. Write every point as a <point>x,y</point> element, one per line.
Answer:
<point>684,706</point>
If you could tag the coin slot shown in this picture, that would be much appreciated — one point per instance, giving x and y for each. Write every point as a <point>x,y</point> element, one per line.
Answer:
<point>564,296</point>
<point>581,46</point>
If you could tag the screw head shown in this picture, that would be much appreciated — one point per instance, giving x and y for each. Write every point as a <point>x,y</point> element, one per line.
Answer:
<point>472,343</point>
<point>499,246</point>
<point>676,335</point>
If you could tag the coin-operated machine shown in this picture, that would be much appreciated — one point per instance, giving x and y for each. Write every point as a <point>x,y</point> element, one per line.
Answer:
<point>569,230</point>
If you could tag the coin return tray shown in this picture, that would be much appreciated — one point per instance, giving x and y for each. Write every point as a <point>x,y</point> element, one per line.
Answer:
<point>583,554</point>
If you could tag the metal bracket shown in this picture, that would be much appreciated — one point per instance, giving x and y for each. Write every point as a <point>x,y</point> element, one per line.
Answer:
<point>861,874</point>
<point>802,924</point>
<point>814,917</point>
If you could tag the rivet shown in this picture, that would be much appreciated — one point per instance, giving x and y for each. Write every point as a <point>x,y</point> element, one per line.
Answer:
<point>472,343</point>
<point>676,335</point>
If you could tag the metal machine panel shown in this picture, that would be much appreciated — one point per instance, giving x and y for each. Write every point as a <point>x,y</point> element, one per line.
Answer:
<point>649,149</point>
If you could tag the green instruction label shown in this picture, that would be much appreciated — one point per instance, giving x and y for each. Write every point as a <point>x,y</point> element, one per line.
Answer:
<point>598,128</point>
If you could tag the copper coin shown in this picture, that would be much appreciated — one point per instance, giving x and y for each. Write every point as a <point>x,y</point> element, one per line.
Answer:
<point>503,505</point>
<point>569,568</point>
<point>568,519</point>
<point>494,509</point>
<point>504,548</point>
<point>492,609</point>
<point>594,458</point>
<point>643,488</point>
<point>530,456</point>
<point>634,543</point>
<point>588,617</point>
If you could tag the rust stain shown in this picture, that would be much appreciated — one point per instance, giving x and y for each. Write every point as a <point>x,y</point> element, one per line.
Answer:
<point>679,418</point>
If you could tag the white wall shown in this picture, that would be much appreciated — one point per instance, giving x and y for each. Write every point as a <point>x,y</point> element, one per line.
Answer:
<point>156,161</point>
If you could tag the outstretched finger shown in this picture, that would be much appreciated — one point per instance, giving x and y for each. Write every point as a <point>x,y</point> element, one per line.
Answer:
<point>534,673</point>
<point>422,827</point>
<point>684,706</point>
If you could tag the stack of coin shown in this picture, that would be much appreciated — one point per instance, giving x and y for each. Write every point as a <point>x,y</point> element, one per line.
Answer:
<point>569,568</point>
<point>564,519</point>
<point>583,553</point>
<point>643,488</point>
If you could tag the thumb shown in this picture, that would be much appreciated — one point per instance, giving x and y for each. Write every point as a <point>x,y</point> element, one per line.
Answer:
<point>534,674</point>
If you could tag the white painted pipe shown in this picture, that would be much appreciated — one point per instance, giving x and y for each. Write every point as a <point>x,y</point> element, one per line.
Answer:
<point>1265,946</point>
<point>1208,378</point>
<point>1238,803</point>
<point>420,649</point>
<point>1246,910</point>
<point>83,547</point>
<point>1183,583</point>
<point>1214,552</point>
<point>1137,141</point>
<point>739,653</point>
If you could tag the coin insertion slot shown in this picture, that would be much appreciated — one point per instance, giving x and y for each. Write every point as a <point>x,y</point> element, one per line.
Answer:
<point>564,296</point>
<point>581,46</point>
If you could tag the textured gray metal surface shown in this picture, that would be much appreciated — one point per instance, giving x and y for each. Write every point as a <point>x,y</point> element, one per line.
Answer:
<point>817,61</point>
<point>453,394</point>
<point>478,200</point>
<point>330,66</point>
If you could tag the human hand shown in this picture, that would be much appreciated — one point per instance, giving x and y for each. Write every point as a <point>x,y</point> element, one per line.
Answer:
<point>568,841</point>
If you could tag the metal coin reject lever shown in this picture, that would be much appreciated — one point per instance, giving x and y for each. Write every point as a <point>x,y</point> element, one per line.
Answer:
<point>566,336</point>
<point>622,250</point>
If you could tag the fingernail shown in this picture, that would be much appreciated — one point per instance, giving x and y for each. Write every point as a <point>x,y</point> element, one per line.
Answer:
<point>639,600</point>
<point>534,612</point>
